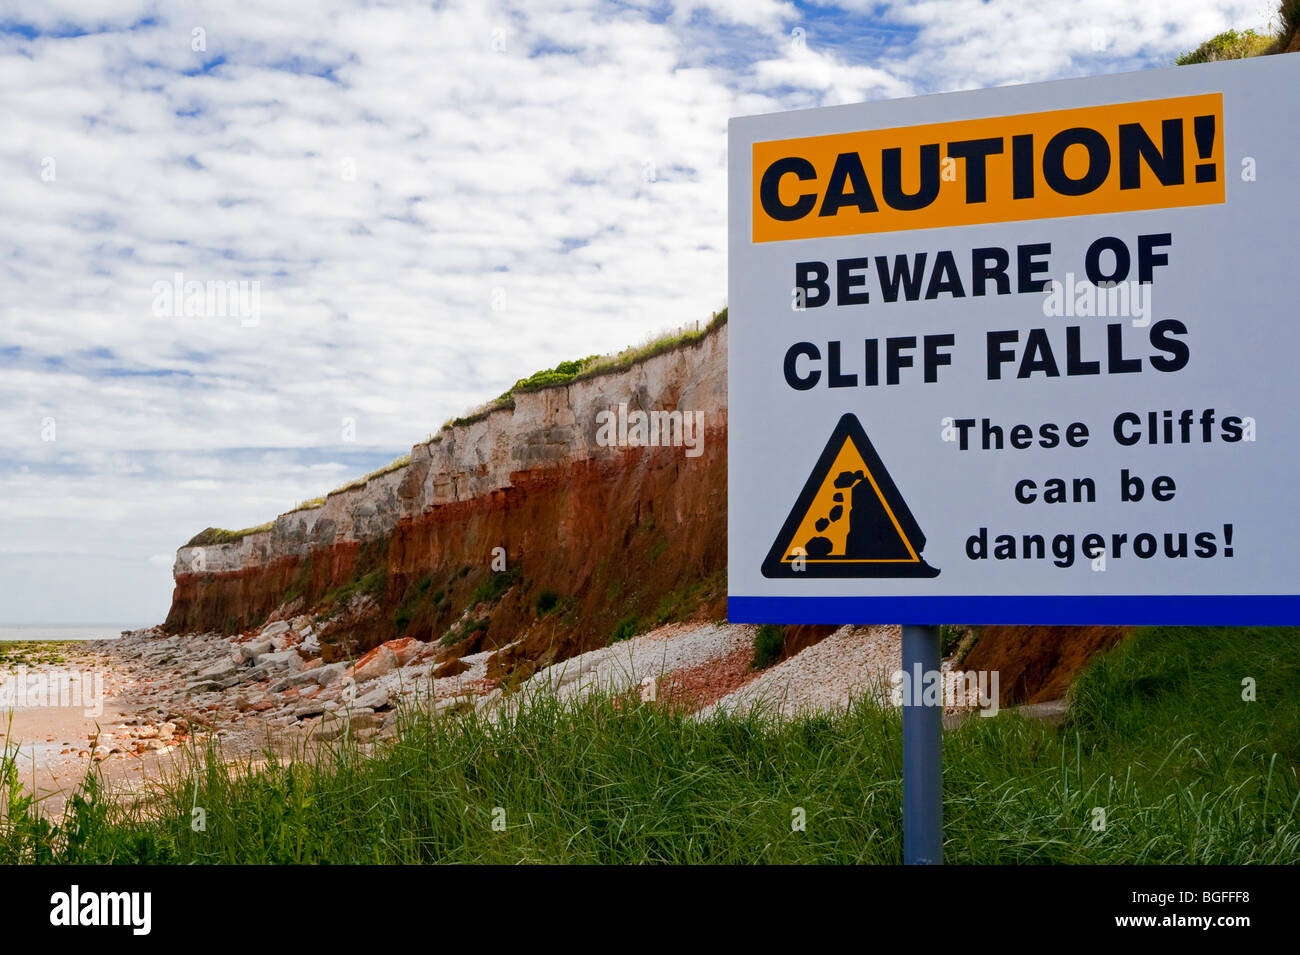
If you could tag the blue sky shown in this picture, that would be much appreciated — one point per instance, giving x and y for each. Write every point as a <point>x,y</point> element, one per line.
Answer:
<point>433,199</point>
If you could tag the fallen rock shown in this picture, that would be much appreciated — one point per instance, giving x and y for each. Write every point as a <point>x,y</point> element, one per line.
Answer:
<point>321,676</point>
<point>218,671</point>
<point>330,673</point>
<point>253,650</point>
<point>281,660</point>
<point>405,649</point>
<point>378,662</point>
<point>332,726</point>
<point>375,699</point>
<point>272,630</point>
<point>202,686</point>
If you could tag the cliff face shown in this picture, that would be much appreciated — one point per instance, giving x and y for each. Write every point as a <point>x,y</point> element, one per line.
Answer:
<point>596,527</point>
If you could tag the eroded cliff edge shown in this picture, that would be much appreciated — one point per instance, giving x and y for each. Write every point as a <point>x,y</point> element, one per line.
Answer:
<point>594,535</point>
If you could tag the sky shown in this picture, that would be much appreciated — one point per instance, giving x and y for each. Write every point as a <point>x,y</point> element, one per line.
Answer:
<point>425,201</point>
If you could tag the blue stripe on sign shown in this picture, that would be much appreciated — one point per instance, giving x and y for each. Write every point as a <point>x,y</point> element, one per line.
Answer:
<point>1206,611</point>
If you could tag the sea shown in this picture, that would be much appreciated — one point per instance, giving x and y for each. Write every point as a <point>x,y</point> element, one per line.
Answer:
<point>99,631</point>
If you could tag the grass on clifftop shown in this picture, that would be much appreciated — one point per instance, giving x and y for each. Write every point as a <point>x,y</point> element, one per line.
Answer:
<point>562,374</point>
<point>211,536</point>
<point>1159,738</point>
<point>1229,45</point>
<point>567,372</point>
<point>1238,45</point>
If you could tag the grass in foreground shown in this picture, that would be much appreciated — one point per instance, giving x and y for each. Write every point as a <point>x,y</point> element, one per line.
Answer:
<point>1159,738</point>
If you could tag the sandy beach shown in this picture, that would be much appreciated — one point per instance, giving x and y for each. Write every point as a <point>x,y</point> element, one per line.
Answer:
<point>68,708</point>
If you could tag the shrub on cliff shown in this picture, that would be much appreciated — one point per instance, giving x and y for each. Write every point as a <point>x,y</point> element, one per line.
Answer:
<point>494,587</point>
<point>768,644</point>
<point>1234,45</point>
<point>624,630</point>
<point>465,631</point>
<point>561,374</point>
<point>547,601</point>
<point>372,585</point>
<point>413,602</point>
<point>1228,45</point>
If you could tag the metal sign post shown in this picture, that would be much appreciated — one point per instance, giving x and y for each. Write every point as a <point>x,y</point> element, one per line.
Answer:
<point>922,751</point>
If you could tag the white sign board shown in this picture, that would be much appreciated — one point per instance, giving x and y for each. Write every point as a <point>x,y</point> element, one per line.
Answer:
<point>1020,355</point>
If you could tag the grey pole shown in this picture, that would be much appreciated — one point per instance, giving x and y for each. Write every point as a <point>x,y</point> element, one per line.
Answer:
<point>922,758</point>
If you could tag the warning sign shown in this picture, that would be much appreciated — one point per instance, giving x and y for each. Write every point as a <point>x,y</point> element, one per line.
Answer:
<point>1113,158</point>
<point>850,520</point>
<point>1018,356</point>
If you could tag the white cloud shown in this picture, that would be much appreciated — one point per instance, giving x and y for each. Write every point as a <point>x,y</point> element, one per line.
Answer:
<point>808,68</point>
<point>964,44</point>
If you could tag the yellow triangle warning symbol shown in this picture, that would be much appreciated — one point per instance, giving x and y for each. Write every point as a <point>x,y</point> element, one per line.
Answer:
<point>850,520</point>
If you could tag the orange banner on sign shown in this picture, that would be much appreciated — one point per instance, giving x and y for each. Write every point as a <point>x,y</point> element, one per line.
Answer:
<point>1154,154</point>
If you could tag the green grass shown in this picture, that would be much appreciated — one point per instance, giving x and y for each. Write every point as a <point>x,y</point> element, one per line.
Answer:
<point>687,599</point>
<point>394,465</point>
<point>628,357</point>
<point>493,587</point>
<point>769,641</point>
<point>625,629</point>
<point>1236,45</point>
<point>561,374</point>
<point>372,585</point>
<point>216,535</point>
<point>413,600</point>
<point>567,372</point>
<point>300,583</point>
<point>546,601</point>
<point>1229,45</point>
<point>951,637</point>
<point>462,633</point>
<point>1159,737</point>
<point>30,653</point>
<point>212,536</point>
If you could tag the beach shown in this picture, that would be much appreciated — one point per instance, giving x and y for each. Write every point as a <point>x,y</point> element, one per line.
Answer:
<point>70,706</point>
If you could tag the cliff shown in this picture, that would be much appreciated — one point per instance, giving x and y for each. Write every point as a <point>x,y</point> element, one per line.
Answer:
<point>597,530</point>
